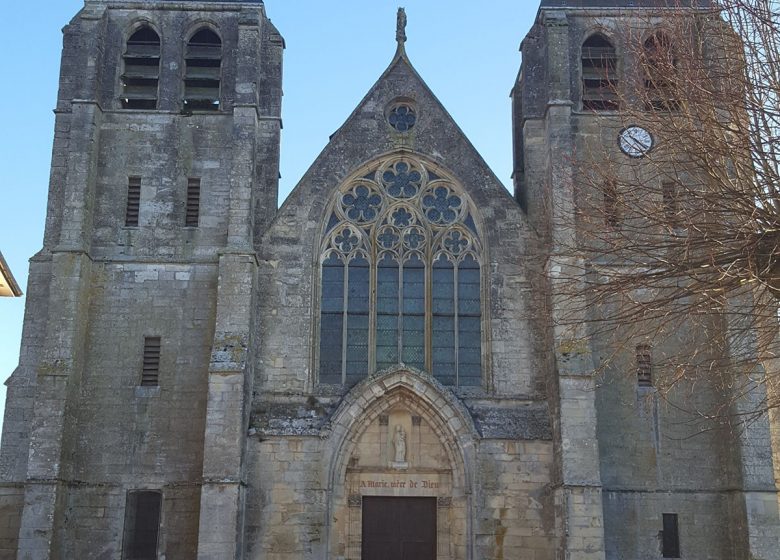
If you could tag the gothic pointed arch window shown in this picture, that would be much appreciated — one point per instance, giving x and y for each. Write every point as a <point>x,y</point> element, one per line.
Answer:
<point>401,277</point>
<point>661,73</point>
<point>599,74</point>
<point>141,73</point>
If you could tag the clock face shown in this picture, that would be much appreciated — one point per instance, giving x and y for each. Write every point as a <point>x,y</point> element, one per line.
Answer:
<point>635,141</point>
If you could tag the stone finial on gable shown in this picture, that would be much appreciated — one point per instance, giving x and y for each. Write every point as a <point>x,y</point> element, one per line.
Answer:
<point>400,31</point>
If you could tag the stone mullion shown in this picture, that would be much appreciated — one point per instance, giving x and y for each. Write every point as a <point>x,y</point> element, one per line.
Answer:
<point>401,308</point>
<point>373,271</point>
<point>345,323</point>
<point>456,310</point>
<point>428,274</point>
<point>400,322</point>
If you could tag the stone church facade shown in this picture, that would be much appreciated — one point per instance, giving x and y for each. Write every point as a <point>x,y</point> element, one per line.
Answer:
<point>368,371</point>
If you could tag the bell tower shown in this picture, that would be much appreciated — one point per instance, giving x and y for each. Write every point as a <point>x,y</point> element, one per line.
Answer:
<point>134,370</point>
<point>630,483</point>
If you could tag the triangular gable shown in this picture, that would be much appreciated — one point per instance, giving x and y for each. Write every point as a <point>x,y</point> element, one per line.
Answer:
<point>366,135</point>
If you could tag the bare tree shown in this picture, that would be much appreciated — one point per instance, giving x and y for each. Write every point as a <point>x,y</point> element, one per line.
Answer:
<point>680,231</point>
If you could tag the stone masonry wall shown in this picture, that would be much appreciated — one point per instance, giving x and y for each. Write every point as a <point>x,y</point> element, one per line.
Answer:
<point>287,511</point>
<point>157,279</point>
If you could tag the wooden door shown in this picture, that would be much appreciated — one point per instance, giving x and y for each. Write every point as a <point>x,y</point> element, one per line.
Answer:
<point>399,528</point>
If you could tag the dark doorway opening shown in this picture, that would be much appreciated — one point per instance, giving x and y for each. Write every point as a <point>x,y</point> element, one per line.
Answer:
<point>399,528</point>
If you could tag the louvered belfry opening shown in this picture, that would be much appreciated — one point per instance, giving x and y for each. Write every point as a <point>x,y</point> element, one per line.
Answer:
<point>133,206</point>
<point>192,215</point>
<point>203,72</point>
<point>644,365</point>
<point>599,75</point>
<point>150,375</point>
<point>142,70</point>
<point>660,67</point>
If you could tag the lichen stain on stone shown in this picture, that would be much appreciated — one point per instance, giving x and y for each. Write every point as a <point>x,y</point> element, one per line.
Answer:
<point>231,349</point>
<point>573,346</point>
<point>500,536</point>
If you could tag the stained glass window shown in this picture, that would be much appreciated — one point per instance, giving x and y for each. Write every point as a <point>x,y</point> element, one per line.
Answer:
<point>402,117</point>
<point>400,277</point>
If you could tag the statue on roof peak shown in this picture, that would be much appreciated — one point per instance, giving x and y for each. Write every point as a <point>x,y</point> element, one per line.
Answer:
<point>400,31</point>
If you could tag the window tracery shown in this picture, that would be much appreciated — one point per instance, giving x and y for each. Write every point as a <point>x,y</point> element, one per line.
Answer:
<point>400,277</point>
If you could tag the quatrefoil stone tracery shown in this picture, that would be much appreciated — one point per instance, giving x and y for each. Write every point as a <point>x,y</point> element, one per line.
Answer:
<point>414,238</point>
<point>388,237</point>
<point>361,204</point>
<point>455,243</point>
<point>346,240</point>
<point>402,118</point>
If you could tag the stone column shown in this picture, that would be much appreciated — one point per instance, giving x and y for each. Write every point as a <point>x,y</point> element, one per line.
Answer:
<point>579,496</point>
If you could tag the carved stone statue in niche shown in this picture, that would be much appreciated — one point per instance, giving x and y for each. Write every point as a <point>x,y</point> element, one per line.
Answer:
<point>399,443</point>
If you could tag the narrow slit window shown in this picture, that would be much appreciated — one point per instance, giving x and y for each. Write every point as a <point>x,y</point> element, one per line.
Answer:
<point>142,525</point>
<point>670,203</point>
<point>203,72</point>
<point>670,536</point>
<point>141,73</point>
<point>133,205</point>
<point>644,365</point>
<point>192,217</point>
<point>611,213</point>
<point>599,75</point>
<point>150,374</point>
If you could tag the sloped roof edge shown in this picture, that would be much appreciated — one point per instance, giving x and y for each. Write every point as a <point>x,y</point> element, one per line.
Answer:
<point>8,278</point>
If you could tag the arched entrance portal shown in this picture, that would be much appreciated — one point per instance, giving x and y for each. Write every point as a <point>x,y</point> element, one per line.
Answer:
<point>400,471</point>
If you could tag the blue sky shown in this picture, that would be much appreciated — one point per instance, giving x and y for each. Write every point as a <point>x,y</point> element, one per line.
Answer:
<point>467,52</point>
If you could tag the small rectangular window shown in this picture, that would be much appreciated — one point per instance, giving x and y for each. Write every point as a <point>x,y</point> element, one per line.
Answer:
<point>644,365</point>
<point>669,192</point>
<point>150,376</point>
<point>670,536</point>
<point>611,216</point>
<point>142,525</point>
<point>192,216</point>
<point>133,201</point>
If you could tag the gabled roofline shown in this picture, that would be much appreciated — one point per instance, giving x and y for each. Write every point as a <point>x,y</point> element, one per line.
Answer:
<point>399,57</point>
<point>8,278</point>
